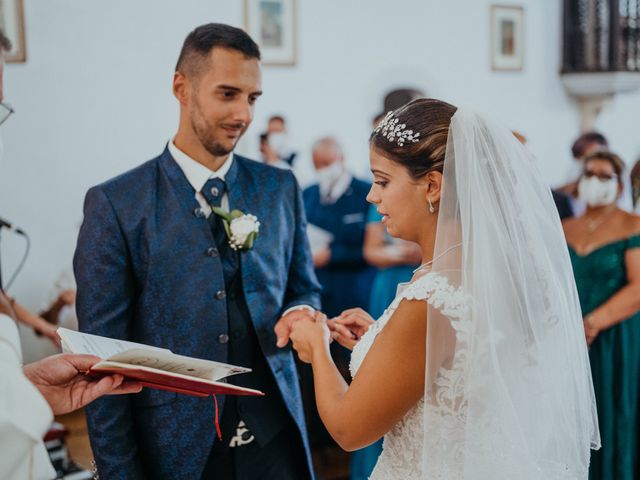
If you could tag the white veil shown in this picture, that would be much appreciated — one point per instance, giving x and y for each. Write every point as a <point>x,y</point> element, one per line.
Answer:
<point>508,383</point>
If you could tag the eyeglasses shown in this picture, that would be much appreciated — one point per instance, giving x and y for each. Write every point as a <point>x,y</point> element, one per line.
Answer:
<point>5,112</point>
<point>589,174</point>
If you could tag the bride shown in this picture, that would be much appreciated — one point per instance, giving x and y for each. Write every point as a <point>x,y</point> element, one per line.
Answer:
<point>478,369</point>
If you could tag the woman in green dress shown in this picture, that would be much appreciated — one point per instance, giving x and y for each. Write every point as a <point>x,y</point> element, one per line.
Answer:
<point>604,245</point>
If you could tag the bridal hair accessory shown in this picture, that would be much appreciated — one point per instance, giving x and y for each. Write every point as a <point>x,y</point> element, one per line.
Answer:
<point>395,132</point>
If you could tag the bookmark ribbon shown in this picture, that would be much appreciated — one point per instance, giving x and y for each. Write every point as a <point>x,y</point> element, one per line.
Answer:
<point>215,401</point>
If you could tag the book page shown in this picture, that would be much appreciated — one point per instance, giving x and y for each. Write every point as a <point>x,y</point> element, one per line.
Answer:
<point>103,347</point>
<point>170,362</point>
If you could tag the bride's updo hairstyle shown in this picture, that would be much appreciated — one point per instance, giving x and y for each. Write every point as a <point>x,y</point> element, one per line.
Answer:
<point>415,135</point>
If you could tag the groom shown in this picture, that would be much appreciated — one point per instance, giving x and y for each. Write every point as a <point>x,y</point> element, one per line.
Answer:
<point>154,265</point>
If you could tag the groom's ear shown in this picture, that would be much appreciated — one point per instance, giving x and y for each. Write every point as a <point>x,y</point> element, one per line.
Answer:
<point>181,87</point>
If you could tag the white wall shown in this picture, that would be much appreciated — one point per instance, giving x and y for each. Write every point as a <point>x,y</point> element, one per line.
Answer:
<point>94,97</point>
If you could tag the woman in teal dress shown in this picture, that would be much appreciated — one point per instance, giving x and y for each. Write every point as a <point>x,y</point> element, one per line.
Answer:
<point>604,246</point>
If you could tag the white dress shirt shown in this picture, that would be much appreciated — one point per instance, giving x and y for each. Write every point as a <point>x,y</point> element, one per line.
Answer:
<point>25,415</point>
<point>197,175</point>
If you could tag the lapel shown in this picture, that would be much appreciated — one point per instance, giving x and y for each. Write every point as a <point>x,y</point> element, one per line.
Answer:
<point>239,191</point>
<point>184,191</point>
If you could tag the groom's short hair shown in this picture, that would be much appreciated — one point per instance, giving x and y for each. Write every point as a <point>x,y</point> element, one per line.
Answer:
<point>204,38</point>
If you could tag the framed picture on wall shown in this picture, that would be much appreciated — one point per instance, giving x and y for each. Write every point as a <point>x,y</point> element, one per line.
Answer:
<point>12,24</point>
<point>507,37</point>
<point>272,24</point>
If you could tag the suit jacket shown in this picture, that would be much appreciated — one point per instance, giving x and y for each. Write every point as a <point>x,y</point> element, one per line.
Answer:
<point>148,271</point>
<point>346,280</point>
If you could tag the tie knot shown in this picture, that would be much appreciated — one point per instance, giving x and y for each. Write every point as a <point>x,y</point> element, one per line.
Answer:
<point>213,191</point>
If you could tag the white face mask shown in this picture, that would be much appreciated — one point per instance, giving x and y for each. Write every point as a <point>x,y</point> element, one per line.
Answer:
<point>328,175</point>
<point>597,193</point>
<point>279,143</point>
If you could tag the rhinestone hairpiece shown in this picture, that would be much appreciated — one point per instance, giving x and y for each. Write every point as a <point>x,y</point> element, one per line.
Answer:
<point>395,132</point>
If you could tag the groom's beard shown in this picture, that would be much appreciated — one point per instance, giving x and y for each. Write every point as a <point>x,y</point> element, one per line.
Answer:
<point>206,134</point>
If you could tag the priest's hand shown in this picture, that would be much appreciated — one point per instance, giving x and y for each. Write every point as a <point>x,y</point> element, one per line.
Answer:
<point>62,382</point>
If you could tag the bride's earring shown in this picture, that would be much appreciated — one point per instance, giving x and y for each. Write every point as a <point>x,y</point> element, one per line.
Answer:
<point>431,207</point>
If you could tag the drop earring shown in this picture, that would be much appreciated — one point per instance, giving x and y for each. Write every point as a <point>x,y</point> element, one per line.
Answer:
<point>431,207</point>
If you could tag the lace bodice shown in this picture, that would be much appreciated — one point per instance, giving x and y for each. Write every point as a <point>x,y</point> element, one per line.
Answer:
<point>403,445</point>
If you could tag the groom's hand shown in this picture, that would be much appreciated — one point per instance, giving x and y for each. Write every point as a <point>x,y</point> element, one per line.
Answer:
<point>285,324</point>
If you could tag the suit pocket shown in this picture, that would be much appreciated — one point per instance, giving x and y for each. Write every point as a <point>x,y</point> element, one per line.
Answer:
<point>154,398</point>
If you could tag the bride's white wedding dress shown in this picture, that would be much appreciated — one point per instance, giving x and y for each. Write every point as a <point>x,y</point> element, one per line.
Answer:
<point>404,445</point>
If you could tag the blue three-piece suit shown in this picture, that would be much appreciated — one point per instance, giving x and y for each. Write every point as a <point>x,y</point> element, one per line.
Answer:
<point>149,270</point>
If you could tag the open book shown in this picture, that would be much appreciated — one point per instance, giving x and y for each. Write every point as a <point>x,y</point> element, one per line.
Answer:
<point>155,367</point>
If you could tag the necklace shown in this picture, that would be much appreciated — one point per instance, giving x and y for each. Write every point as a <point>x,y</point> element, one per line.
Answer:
<point>592,225</point>
<point>430,262</point>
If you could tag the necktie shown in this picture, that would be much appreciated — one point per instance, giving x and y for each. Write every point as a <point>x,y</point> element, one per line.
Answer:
<point>213,191</point>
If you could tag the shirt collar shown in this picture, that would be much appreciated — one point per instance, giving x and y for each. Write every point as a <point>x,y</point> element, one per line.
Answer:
<point>196,173</point>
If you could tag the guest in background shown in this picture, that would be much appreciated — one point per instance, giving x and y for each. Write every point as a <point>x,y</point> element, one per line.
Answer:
<point>337,204</point>
<point>269,155</point>
<point>279,140</point>
<point>604,245</point>
<point>61,310</point>
<point>40,325</point>
<point>584,145</point>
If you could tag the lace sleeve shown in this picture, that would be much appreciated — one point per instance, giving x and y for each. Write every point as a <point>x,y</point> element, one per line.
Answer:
<point>436,290</point>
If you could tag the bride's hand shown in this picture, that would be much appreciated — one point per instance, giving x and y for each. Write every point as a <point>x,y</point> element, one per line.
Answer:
<point>307,336</point>
<point>350,326</point>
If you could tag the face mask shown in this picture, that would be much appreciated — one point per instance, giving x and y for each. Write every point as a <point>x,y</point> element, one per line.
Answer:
<point>279,143</point>
<point>328,175</point>
<point>597,193</point>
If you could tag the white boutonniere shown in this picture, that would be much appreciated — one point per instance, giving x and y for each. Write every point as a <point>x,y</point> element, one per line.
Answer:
<point>242,228</point>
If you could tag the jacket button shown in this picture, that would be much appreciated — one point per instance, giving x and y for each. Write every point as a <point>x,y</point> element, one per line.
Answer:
<point>199,212</point>
<point>223,338</point>
<point>212,252</point>
<point>221,294</point>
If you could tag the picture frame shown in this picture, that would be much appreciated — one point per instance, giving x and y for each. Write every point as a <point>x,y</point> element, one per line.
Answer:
<point>272,24</point>
<point>12,24</point>
<point>507,38</point>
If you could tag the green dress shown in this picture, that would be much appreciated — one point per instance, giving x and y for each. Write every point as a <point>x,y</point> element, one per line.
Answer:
<point>615,363</point>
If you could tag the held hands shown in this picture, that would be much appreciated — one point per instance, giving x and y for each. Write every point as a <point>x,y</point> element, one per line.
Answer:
<point>350,326</point>
<point>308,336</point>
<point>286,322</point>
<point>62,382</point>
